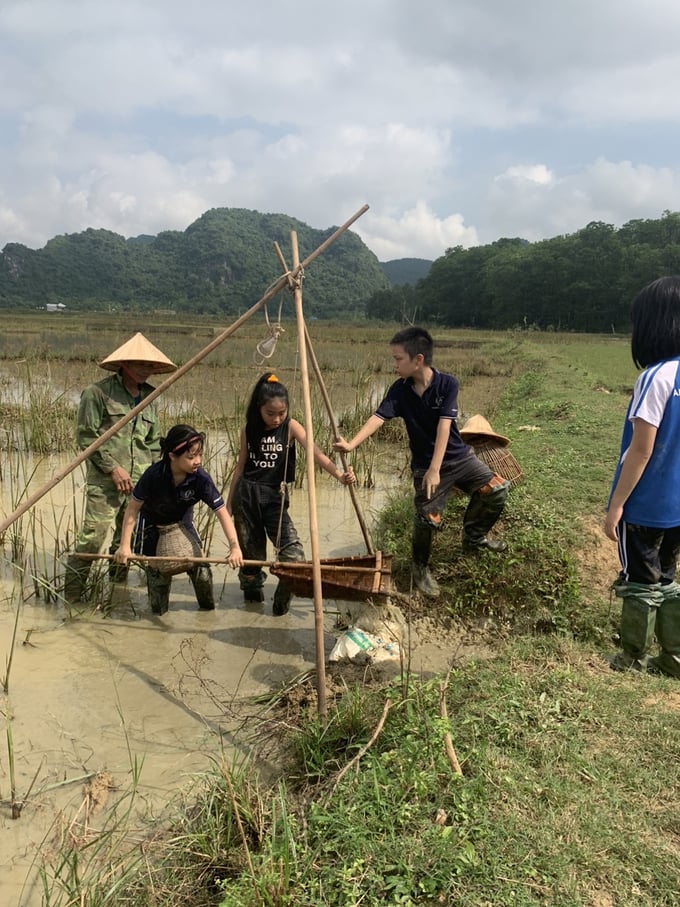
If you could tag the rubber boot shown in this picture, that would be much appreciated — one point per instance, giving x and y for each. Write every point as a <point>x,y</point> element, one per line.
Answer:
<point>421,547</point>
<point>251,585</point>
<point>639,608</point>
<point>75,578</point>
<point>668,632</point>
<point>202,581</point>
<point>282,597</point>
<point>485,507</point>
<point>158,587</point>
<point>118,573</point>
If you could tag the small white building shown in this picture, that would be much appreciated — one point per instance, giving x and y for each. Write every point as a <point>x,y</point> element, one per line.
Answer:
<point>55,306</point>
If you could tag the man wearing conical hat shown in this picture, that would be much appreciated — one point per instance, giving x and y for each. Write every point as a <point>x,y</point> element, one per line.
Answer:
<point>114,467</point>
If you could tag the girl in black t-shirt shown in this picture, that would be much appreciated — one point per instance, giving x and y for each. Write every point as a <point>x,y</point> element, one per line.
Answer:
<point>165,494</point>
<point>258,495</point>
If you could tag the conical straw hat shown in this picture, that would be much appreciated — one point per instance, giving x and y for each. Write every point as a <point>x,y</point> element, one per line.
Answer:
<point>477,426</point>
<point>138,349</point>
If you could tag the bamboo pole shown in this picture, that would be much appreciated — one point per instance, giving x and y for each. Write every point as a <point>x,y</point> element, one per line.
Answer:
<point>331,415</point>
<point>336,435</point>
<point>298,565</point>
<point>273,290</point>
<point>311,487</point>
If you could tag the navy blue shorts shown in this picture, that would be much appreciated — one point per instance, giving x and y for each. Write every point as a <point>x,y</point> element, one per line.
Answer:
<point>648,554</point>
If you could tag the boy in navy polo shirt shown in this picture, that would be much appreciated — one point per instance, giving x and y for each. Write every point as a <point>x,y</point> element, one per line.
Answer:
<point>441,462</point>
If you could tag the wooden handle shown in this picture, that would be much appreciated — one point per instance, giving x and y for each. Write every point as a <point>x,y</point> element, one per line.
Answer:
<point>299,565</point>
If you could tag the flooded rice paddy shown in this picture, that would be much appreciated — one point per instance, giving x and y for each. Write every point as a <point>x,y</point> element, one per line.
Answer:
<point>102,692</point>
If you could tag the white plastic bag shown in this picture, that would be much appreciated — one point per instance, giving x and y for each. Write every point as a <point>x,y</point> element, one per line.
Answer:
<point>356,644</point>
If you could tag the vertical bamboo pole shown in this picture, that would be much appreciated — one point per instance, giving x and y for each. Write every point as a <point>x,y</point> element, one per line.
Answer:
<point>336,435</point>
<point>311,487</point>
<point>331,417</point>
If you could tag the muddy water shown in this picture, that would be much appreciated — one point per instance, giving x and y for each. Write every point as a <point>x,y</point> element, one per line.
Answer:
<point>98,691</point>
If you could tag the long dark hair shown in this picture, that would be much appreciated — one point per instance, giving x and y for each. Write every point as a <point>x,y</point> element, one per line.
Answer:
<point>179,439</point>
<point>655,314</point>
<point>267,388</point>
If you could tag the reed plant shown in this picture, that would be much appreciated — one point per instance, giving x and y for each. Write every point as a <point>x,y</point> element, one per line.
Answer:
<point>17,600</point>
<point>92,857</point>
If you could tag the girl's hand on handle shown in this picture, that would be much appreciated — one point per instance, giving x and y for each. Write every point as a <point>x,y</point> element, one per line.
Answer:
<point>122,554</point>
<point>235,558</point>
<point>347,478</point>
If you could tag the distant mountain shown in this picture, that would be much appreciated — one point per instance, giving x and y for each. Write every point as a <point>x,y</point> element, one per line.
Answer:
<point>222,263</point>
<point>402,271</point>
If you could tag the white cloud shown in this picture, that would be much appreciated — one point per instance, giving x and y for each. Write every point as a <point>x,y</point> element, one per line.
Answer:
<point>415,233</point>
<point>531,173</point>
<point>612,192</point>
<point>457,122</point>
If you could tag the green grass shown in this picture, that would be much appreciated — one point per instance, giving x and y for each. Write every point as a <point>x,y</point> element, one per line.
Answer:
<point>568,797</point>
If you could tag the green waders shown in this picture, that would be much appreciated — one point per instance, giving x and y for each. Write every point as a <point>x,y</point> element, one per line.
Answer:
<point>158,587</point>
<point>640,605</point>
<point>482,514</point>
<point>421,547</point>
<point>75,578</point>
<point>668,631</point>
<point>202,581</point>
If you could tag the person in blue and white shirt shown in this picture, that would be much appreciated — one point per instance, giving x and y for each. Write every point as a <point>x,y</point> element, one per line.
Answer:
<point>643,514</point>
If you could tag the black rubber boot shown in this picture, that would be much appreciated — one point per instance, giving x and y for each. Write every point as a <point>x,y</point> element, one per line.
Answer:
<point>421,548</point>
<point>481,515</point>
<point>158,587</point>
<point>75,578</point>
<point>282,597</point>
<point>485,544</point>
<point>251,585</point>
<point>202,581</point>
<point>253,595</point>
<point>425,582</point>
<point>118,573</point>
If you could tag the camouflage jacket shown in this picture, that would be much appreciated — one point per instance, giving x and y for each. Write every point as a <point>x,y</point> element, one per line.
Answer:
<point>134,447</point>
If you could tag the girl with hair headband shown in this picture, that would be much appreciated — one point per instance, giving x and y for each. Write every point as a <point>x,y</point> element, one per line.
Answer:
<point>166,494</point>
<point>258,495</point>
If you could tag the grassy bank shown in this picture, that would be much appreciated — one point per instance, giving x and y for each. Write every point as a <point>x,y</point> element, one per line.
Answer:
<point>569,779</point>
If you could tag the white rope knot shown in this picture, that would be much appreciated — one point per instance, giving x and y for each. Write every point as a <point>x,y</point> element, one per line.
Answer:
<point>265,348</point>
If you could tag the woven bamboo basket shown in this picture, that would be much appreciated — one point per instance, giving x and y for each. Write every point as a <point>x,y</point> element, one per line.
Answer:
<point>175,540</point>
<point>498,458</point>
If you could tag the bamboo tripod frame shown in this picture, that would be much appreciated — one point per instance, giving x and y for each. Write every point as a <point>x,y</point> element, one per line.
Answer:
<point>273,290</point>
<point>291,280</point>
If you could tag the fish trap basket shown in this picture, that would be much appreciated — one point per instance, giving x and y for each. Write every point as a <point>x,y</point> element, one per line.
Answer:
<point>498,458</point>
<point>175,541</point>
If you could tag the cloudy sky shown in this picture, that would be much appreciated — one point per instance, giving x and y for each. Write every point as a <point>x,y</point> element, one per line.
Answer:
<point>456,121</point>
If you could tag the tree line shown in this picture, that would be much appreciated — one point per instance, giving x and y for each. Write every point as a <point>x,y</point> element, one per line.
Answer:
<point>583,281</point>
<point>221,264</point>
